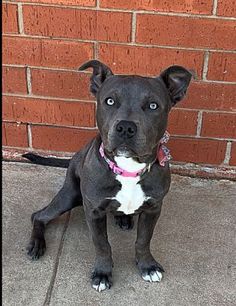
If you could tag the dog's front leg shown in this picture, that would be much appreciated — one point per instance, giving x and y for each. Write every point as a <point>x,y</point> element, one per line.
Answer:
<point>102,273</point>
<point>149,268</point>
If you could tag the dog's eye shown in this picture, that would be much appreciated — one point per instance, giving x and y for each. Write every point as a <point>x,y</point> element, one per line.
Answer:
<point>110,101</point>
<point>153,105</point>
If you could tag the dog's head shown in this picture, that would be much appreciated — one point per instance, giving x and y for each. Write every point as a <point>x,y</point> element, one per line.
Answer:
<point>132,111</point>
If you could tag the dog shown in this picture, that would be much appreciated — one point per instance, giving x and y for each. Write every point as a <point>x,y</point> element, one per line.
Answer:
<point>123,170</point>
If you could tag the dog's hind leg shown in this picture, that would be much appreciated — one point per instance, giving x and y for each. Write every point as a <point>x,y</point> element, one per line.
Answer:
<point>67,198</point>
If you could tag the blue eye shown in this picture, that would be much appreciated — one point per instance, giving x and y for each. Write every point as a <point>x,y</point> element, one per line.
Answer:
<point>153,106</point>
<point>110,101</point>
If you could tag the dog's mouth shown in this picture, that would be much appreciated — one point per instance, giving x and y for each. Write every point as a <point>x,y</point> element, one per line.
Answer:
<point>139,153</point>
<point>124,151</point>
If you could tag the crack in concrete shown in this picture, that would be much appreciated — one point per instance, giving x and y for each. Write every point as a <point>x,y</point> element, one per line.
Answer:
<point>54,273</point>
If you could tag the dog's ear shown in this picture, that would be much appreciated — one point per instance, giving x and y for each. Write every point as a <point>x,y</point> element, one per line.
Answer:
<point>100,73</point>
<point>176,79</point>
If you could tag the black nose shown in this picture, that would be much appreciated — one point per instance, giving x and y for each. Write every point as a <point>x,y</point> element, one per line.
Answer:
<point>126,129</point>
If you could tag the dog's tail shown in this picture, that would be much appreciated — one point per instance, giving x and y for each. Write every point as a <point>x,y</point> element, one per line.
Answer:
<point>47,161</point>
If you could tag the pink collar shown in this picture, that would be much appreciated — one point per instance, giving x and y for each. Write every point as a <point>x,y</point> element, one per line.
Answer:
<point>163,155</point>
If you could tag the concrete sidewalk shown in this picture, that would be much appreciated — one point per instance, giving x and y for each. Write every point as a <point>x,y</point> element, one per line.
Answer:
<point>195,241</point>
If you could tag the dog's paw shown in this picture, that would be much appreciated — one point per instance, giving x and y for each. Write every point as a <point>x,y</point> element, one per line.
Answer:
<point>125,222</point>
<point>36,248</point>
<point>101,281</point>
<point>151,272</point>
<point>152,275</point>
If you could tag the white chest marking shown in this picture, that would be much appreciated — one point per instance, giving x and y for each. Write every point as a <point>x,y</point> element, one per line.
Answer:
<point>131,195</point>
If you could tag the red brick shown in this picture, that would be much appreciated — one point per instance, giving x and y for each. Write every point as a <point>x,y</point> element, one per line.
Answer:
<point>83,24</point>
<point>9,18</point>
<point>14,80</point>
<point>195,6</point>
<point>60,84</point>
<point>65,2</point>
<point>215,96</point>
<point>56,112</point>
<point>45,52</point>
<point>147,61</point>
<point>182,122</point>
<point>226,8</point>
<point>186,31</point>
<point>219,125</point>
<point>60,139</point>
<point>232,160</point>
<point>14,134</point>
<point>222,66</point>
<point>196,150</point>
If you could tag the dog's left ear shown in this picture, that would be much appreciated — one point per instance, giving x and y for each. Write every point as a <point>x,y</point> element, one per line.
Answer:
<point>176,79</point>
<point>100,73</point>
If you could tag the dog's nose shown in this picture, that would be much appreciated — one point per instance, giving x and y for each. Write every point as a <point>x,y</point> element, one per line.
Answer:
<point>126,129</point>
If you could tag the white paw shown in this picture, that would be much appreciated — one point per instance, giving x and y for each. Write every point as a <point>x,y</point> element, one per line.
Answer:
<point>154,276</point>
<point>100,287</point>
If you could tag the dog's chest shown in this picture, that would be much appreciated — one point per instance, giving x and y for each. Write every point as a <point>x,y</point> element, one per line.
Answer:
<point>131,195</point>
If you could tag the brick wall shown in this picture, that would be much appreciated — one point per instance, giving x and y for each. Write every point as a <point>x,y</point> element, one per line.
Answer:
<point>46,103</point>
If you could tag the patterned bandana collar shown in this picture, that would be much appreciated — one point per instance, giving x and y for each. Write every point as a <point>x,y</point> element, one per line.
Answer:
<point>163,156</point>
<point>163,153</point>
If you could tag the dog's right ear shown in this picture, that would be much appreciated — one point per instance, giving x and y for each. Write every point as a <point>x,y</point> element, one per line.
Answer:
<point>100,73</point>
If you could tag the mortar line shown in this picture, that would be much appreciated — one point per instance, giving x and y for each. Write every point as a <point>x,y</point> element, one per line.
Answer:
<point>151,12</point>
<point>205,65</point>
<point>137,44</point>
<point>199,123</point>
<point>202,137</point>
<point>29,136</point>
<point>227,153</point>
<point>207,110</point>
<point>20,19</point>
<point>133,27</point>
<point>46,68</point>
<point>214,9</point>
<point>220,82</point>
<point>44,124</point>
<point>47,98</point>
<point>75,127</point>
<point>89,128</point>
<point>32,36</point>
<point>50,153</point>
<point>28,77</point>
<point>55,269</point>
<point>64,6</point>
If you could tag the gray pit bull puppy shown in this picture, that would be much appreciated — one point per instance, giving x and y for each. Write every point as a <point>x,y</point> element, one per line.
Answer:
<point>119,171</point>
